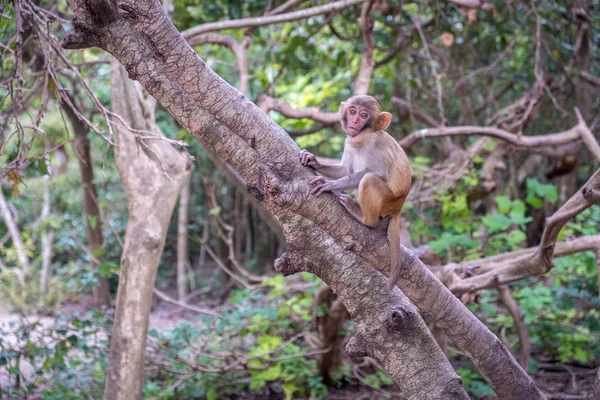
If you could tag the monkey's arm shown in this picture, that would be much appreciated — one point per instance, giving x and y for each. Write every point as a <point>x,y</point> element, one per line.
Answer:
<point>344,183</point>
<point>349,181</point>
<point>332,171</point>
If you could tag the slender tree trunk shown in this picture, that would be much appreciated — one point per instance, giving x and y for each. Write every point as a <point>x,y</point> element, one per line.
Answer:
<point>205,236</point>
<point>47,237</point>
<point>152,173</point>
<point>91,210</point>
<point>15,235</point>
<point>182,240</point>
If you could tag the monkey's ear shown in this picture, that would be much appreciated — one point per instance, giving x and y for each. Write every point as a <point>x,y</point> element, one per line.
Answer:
<point>342,106</point>
<point>384,120</point>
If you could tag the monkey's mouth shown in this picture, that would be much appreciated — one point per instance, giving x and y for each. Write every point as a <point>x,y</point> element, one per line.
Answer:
<point>353,131</point>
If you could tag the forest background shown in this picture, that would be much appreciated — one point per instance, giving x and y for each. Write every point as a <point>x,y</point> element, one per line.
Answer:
<point>103,188</point>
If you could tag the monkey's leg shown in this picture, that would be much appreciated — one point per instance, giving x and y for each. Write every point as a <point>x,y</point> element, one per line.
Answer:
<point>351,205</point>
<point>373,195</point>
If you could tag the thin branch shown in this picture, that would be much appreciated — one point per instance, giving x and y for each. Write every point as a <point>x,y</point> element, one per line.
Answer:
<point>163,296</point>
<point>267,103</point>
<point>438,77</point>
<point>545,144</point>
<point>520,326</point>
<point>308,131</point>
<point>419,114</point>
<point>269,20</point>
<point>594,80</point>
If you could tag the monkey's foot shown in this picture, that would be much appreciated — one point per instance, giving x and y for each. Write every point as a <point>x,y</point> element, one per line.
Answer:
<point>351,205</point>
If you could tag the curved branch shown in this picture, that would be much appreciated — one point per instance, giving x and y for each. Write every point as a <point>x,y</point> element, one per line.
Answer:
<point>520,326</point>
<point>267,103</point>
<point>304,132</point>
<point>269,20</point>
<point>545,144</point>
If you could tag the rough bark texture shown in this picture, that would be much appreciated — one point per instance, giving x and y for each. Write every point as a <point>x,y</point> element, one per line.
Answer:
<point>321,237</point>
<point>91,210</point>
<point>152,174</point>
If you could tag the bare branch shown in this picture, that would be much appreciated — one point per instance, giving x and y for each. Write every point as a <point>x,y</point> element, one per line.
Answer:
<point>165,297</point>
<point>594,80</point>
<point>419,114</point>
<point>545,144</point>
<point>520,326</point>
<point>267,104</point>
<point>269,20</point>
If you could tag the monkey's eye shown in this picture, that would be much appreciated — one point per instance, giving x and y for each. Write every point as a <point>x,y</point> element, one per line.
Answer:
<point>353,112</point>
<point>364,115</point>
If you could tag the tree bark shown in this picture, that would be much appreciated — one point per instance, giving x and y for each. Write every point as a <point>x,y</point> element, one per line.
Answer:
<point>152,174</point>
<point>183,258</point>
<point>344,253</point>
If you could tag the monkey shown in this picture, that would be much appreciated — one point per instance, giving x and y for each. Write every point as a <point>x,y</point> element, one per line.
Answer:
<point>372,162</point>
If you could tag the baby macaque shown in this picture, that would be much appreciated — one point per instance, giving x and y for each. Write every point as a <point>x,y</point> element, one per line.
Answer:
<point>373,162</point>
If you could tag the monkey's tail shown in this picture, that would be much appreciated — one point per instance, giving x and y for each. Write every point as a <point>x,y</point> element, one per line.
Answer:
<point>394,238</point>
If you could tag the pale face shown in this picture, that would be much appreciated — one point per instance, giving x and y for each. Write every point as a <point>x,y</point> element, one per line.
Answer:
<point>358,118</point>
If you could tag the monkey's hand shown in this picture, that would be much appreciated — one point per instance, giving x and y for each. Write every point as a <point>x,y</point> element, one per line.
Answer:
<point>308,159</point>
<point>321,185</point>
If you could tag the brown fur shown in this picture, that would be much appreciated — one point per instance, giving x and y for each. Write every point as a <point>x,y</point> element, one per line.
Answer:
<point>375,164</point>
<point>380,197</point>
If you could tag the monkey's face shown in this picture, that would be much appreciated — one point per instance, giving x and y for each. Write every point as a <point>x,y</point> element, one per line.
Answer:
<point>357,119</point>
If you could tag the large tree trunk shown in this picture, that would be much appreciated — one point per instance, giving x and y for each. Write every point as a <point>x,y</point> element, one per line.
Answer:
<point>345,254</point>
<point>152,174</point>
<point>91,209</point>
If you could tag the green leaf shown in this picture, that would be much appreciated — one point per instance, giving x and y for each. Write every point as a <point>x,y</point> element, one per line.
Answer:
<point>42,167</point>
<point>212,393</point>
<point>496,222</point>
<point>98,252</point>
<point>92,221</point>
<point>106,269</point>
<point>269,342</point>
<point>289,388</point>
<point>257,383</point>
<point>215,211</point>
<point>504,204</point>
